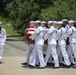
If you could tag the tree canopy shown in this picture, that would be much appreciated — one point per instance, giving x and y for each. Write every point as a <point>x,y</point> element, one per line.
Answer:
<point>20,12</point>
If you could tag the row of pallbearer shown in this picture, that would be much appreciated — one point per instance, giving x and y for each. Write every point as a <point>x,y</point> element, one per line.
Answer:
<point>60,39</point>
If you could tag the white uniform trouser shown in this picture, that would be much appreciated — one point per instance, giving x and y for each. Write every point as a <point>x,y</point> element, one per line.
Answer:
<point>64,54</point>
<point>73,47</point>
<point>37,51</point>
<point>50,59</point>
<point>1,51</point>
<point>29,51</point>
<point>59,54</point>
<point>69,51</point>
<point>45,50</point>
<point>51,50</point>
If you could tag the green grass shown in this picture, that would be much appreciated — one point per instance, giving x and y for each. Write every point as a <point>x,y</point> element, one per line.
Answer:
<point>11,33</point>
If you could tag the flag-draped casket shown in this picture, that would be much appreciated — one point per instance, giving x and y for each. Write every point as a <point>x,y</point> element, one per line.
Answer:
<point>28,34</point>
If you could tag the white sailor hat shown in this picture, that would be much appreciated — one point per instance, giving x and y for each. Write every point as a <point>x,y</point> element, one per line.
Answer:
<point>50,22</point>
<point>64,20</point>
<point>71,21</point>
<point>43,22</point>
<point>0,22</point>
<point>32,22</point>
<point>54,22</point>
<point>60,22</point>
<point>38,21</point>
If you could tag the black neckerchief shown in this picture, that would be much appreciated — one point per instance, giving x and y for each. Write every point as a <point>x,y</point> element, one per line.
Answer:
<point>64,25</point>
<point>0,29</point>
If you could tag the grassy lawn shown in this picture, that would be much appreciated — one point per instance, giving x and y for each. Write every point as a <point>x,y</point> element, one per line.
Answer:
<point>12,33</point>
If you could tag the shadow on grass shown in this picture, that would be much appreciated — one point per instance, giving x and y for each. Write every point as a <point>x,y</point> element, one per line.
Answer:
<point>15,38</point>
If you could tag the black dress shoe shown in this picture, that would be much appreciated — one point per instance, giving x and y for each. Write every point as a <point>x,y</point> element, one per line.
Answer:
<point>61,64</point>
<point>31,66</point>
<point>69,66</point>
<point>65,66</point>
<point>24,63</point>
<point>41,68</point>
<point>56,67</point>
<point>74,66</point>
<point>50,64</point>
<point>37,65</point>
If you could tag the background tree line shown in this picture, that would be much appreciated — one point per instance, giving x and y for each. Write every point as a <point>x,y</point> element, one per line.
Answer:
<point>20,12</point>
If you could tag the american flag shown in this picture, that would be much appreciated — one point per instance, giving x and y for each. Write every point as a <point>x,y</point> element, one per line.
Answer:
<point>30,31</point>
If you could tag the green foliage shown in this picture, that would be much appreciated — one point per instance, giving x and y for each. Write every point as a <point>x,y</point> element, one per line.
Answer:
<point>61,9</point>
<point>20,12</point>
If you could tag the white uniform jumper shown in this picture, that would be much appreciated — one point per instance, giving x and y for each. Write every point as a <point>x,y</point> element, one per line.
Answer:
<point>2,41</point>
<point>30,47</point>
<point>72,39</point>
<point>51,49</point>
<point>62,45</point>
<point>39,42</point>
<point>58,49</point>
